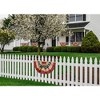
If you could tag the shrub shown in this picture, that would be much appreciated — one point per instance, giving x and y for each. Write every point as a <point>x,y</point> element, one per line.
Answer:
<point>23,48</point>
<point>29,49</point>
<point>73,49</point>
<point>41,49</point>
<point>97,47</point>
<point>76,49</point>
<point>34,49</point>
<point>90,43</point>
<point>57,49</point>
<point>64,49</point>
<point>16,49</point>
<point>50,49</point>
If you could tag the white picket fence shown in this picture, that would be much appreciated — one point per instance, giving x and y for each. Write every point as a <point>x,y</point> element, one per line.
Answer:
<point>67,72</point>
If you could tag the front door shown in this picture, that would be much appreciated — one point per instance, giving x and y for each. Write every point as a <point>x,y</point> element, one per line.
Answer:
<point>54,42</point>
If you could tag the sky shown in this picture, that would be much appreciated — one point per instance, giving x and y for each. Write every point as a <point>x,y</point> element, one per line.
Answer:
<point>3,16</point>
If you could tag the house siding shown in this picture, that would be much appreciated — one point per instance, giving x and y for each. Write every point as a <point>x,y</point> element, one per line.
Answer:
<point>94,24</point>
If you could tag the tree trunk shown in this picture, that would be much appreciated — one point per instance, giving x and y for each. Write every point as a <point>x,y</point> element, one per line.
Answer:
<point>2,48</point>
<point>38,48</point>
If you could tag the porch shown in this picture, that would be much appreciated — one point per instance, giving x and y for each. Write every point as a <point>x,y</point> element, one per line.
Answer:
<point>76,36</point>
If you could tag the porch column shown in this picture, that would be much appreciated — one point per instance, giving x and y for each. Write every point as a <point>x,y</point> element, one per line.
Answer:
<point>29,42</point>
<point>20,42</point>
<point>84,32</point>
<point>14,43</point>
<point>69,39</point>
<point>56,41</point>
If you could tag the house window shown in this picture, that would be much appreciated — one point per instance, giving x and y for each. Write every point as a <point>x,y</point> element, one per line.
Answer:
<point>72,17</point>
<point>79,17</point>
<point>73,38</point>
<point>79,36</point>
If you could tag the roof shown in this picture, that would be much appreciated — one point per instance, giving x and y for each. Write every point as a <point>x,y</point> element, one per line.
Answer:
<point>76,25</point>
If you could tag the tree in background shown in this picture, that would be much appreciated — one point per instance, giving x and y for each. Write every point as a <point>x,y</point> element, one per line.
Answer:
<point>6,36</point>
<point>6,23</point>
<point>37,27</point>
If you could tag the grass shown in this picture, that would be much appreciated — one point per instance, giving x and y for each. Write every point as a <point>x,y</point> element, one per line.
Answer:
<point>66,54</point>
<point>17,82</point>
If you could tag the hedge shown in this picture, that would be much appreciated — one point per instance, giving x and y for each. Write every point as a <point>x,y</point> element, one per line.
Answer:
<point>50,49</point>
<point>57,49</point>
<point>64,49</point>
<point>16,49</point>
<point>23,48</point>
<point>73,49</point>
<point>27,49</point>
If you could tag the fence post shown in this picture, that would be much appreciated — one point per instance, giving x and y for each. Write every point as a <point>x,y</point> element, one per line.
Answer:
<point>0,64</point>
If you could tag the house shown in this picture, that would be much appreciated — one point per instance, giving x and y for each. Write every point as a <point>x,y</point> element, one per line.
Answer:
<point>78,26</point>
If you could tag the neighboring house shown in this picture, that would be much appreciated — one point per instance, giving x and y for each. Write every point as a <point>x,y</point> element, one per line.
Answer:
<point>78,26</point>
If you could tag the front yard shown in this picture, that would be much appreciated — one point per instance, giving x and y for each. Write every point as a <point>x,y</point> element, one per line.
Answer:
<point>66,54</point>
<point>17,82</point>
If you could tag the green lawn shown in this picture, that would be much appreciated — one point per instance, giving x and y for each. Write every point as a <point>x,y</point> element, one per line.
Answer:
<point>66,54</point>
<point>17,82</point>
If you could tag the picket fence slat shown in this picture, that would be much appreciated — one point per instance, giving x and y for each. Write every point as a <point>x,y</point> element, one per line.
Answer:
<point>90,72</point>
<point>70,72</point>
<point>64,70</point>
<point>95,72</point>
<point>32,69</point>
<point>23,68</point>
<point>39,78</point>
<point>35,69</point>
<point>81,71</point>
<point>45,75</point>
<point>20,67</point>
<point>49,59</point>
<point>85,70</point>
<point>12,67</point>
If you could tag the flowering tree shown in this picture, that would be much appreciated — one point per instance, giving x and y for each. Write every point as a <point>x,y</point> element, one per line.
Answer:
<point>37,27</point>
<point>6,36</point>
